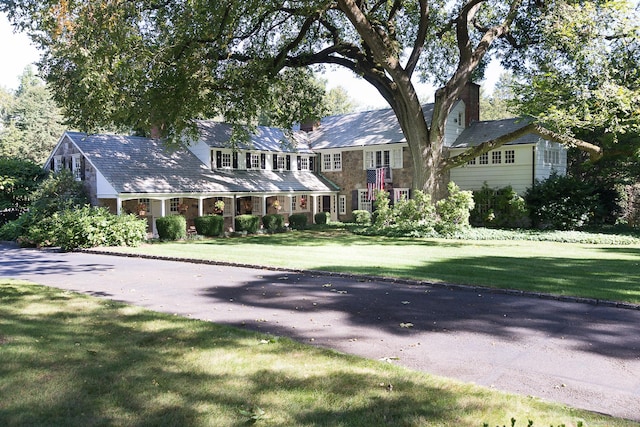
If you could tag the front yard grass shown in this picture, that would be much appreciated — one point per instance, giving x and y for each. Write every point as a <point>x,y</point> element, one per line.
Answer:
<point>73,360</point>
<point>588,270</point>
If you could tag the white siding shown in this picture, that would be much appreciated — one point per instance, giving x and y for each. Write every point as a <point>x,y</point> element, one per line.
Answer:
<point>519,174</point>
<point>104,189</point>
<point>544,169</point>
<point>455,123</point>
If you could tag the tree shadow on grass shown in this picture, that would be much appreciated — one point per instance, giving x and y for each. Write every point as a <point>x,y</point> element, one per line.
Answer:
<point>82,361</point>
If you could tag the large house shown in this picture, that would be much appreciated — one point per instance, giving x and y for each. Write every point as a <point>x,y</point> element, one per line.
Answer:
<point>321,167</point>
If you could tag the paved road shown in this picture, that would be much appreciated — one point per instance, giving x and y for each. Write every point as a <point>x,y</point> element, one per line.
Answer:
<point>584,355</point>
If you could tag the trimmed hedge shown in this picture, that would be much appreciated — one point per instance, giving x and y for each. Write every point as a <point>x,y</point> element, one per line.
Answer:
<point>209,225</point>
<point>322,217</point>
<point>298,221</point>
<point>273,222</point>
<point>172,227</point>
<point>248,223</point>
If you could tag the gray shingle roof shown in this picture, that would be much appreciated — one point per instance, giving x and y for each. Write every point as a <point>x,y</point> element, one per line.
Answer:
<point>218,135</point>
<point>480,132</point>
<point>360,129</point>
<point>144,165</point>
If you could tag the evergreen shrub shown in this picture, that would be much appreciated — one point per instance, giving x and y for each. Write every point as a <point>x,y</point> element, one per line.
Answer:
<point>322,217</point>
<point>273,222</point>
<point>209,225</point>
<point>248,223</point>
<point>298,221</point>
<point>499,208</point>
<point>172,227</point>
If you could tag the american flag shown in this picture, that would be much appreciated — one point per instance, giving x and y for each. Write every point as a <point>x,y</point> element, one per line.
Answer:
<point>375,181</point>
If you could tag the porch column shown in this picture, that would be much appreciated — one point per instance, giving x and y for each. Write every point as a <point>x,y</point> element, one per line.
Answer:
<point>233,212</point>
<point>264,205</point>
<point>200,206</point>
<point>118,205</point>
<point>163,207</point>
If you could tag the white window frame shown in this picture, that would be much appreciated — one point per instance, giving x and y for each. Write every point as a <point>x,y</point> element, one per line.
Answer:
<point>551,156</point>
<point>496,157</point>
<point>281,162</point>
<point>398,193</point>
<point>394,156</point>
<point>510,156</point>
<point>332,162</point>
<point>226,159</point>
<point>342,204</point>
<point>363,203</point>
<point>76,167</point>
<point>472,162</point>
<point>483,159</point>
<point>255,161</point>
<point>57,164</point>
<point>304,163</point>
<point>173,205</point>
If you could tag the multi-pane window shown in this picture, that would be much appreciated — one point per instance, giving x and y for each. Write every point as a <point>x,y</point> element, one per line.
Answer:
<point>364,203</point>
<point>332,162</point>
<point>294,203</point>
<point>326,162</point>
<point>510,156</point>
<point>57,164</point>
<point>280,162</point>
<point>496,157</point>
<point>400,194</point>
<point>255,161</point>
<point>552,156</point>
<point>173,205</point>
<point>76,167</point>
<point>471,162</point>
<point>225,160</point>
<point>383,158</point>
<point>342,205</point>
<point>304,163</point>
<point>484,159</point>
<point>337,161</point>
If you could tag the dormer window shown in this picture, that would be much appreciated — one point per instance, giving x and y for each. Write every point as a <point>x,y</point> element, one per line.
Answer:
<point>224,159</point>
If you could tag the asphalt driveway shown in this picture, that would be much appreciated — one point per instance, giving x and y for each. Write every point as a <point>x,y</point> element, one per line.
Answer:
<point>580,354</point>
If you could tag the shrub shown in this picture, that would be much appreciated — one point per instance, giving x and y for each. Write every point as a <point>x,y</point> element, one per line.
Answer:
<point>362,217</point>
<point>562,203</point>
<point>499,208</point>
<point>383,214</point>
<point>418,212</point>
<point>298,221</point>
<point>57,193</point>
<point>85,227</point>
<point>209,225</point>
<point>322,217</point>
<point>454,211</point>
<point>248,223</point>
<point>273,222</point>
<point>172,227</point>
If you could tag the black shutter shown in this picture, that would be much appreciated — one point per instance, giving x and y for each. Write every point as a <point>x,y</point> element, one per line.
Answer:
<point>218,159</point>
<point>263,161</point>
<point>354,200</point>
<point>312,164</point>
<point>52,165</point>
<point>235,160</point>
<point>275,162</point>
<point>299,163</point>
<point>288,162</point>
<point>248,160</point>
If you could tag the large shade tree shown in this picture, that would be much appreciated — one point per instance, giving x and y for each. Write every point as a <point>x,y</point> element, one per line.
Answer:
<point>160,63</point>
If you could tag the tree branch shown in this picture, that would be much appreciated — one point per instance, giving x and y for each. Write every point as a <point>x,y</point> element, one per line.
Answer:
<point>421,35</point>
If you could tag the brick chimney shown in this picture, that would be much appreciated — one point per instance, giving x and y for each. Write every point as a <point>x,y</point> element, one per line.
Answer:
<point>309,125</point>
<point>471,97</point>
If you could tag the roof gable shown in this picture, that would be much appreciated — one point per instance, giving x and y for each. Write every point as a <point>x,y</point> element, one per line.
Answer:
<point>480,132</point>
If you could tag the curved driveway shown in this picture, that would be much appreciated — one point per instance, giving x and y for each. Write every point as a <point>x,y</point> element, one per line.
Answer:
<point>583,355</point>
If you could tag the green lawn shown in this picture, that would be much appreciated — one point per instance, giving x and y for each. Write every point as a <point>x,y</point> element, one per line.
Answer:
<point>600,271</point>
<point>73,360</point>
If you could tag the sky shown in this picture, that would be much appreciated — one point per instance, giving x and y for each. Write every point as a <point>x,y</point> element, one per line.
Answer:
<point>18,52</point>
